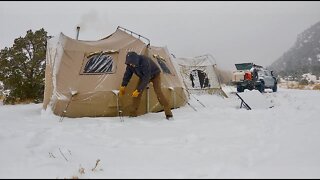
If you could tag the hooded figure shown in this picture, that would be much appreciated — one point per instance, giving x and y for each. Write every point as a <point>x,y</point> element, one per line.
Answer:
<point>147,71</point>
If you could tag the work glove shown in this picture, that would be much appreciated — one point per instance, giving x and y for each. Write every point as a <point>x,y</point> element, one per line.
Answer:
<point>135,93</point>
<point>122,90</point>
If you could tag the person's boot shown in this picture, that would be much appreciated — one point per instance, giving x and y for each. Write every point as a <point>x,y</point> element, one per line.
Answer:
<point>169,117</point>
<point>168,113</point>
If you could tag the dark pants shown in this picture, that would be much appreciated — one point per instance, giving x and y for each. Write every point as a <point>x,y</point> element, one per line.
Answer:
<point>156,81</point>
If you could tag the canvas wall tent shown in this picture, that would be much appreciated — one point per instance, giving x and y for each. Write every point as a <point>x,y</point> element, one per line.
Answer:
<point>83,77</point>
<point>200,74</point>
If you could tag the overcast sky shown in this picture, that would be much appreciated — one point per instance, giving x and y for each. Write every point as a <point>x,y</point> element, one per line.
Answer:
<point>232,32</point>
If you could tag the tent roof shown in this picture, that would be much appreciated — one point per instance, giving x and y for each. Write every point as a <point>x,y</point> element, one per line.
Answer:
<point>203,60</point>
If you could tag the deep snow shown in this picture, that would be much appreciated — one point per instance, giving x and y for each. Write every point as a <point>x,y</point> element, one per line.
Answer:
<point>217,141</point>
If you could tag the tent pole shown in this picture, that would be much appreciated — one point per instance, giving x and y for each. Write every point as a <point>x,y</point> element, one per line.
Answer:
<point>124,29</point>
<point>118,108</point>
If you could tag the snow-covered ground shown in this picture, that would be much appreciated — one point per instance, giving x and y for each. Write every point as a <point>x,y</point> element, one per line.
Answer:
<point>217,141</point>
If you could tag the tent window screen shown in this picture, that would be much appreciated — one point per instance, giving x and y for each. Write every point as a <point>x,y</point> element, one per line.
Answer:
<point>162,62</point>
<point>99,63</point>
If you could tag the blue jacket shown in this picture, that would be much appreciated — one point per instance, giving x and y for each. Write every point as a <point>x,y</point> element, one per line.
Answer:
<point>144,68</point>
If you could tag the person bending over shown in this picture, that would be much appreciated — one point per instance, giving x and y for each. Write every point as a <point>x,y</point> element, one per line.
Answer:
<point>147,71</point>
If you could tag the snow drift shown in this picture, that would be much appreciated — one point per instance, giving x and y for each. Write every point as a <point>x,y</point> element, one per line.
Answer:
<point>217,141</point>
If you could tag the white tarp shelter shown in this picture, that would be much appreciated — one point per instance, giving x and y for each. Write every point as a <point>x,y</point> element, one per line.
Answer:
<point>200,74</point>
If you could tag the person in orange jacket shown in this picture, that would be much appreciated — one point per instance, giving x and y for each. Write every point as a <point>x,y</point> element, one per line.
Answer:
<point>147,71</point>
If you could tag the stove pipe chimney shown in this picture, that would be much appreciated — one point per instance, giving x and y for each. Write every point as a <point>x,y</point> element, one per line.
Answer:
<point>78,30</point>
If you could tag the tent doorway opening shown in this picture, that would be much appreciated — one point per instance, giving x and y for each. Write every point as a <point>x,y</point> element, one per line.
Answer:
<point>199,79</point>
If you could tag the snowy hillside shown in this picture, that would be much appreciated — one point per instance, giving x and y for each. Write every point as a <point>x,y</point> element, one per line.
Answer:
<point>217,141</point>
<point>303,57</point>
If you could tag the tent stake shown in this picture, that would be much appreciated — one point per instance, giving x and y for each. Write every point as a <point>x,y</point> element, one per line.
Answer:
<point>116,92</point>
<point>73,93</point>
<point>174,96</point>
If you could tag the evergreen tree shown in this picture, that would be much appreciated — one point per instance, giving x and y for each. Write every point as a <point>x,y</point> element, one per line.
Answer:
<point>1,90</point>
<point>22,68</point>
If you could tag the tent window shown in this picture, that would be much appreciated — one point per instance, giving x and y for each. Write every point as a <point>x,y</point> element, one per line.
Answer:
<point>98,63</point>
<point>162,62</point>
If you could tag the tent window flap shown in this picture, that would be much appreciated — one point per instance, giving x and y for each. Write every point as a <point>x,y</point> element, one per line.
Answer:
<point>162,62</point>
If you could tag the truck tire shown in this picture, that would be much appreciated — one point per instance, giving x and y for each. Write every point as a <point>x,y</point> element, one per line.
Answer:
<point>240,88</point>
<point>261,87</point>
<point>275,88</point>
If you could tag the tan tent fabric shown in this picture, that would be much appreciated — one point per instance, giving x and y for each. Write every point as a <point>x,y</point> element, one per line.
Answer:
<point>200,74</point>
<point>74,87</point>
<point>174,89</point>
